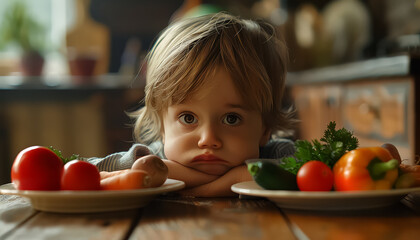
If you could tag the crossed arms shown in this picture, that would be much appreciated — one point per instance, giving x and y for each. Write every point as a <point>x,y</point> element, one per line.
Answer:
<point>200,184</point>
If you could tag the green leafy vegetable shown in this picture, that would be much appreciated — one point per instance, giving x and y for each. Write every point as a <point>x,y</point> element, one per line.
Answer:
<point>60,155</point>
<point>330,148</point>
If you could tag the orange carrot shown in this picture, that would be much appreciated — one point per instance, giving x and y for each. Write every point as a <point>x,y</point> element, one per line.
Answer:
<point>105,174</point>
<point>124,180</point>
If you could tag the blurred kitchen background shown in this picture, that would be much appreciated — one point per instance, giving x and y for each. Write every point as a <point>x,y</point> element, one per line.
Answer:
<point>71,69</point>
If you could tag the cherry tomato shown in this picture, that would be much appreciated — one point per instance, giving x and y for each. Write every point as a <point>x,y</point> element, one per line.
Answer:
<point>315,176</point>
<point>37,168</point>
<point>80,175</point>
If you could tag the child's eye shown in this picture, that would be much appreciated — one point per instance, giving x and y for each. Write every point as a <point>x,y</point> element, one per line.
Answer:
<point>232,119</point>
<point>187,118</point>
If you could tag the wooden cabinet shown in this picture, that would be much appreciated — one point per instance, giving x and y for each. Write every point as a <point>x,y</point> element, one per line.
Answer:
<point>378,108</point>
<point>87,120</point>
<point>317,106</point>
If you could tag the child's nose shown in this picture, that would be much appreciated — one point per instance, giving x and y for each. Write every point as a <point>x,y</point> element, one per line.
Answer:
<point>209,138</point>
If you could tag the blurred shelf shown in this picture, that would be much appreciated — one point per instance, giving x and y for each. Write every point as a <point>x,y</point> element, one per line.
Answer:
<point>102,82</point>
<point>385,67</point>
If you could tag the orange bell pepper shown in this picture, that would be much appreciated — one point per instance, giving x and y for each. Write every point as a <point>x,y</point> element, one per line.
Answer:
<point>371,168</point>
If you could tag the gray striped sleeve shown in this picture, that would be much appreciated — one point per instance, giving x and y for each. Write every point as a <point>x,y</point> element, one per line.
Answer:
<point>277,148</point>
<point>120,160</point>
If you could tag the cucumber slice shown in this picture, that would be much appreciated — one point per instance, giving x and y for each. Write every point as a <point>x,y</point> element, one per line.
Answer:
<point>271,176</point>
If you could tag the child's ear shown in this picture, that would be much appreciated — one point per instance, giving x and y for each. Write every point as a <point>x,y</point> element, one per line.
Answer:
<point>265,137</point>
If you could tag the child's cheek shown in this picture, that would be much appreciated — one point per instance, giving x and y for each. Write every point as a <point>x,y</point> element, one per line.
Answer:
<point>172,150</point>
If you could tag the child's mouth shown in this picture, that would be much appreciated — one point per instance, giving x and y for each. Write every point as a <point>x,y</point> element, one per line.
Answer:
<point>210,164</point>
<point>208,159</point>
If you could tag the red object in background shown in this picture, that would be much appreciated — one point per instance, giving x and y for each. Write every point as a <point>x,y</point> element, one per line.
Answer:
<point>82,65</point>
<point>80,175</point>
<point>32,64</point>
<point>37,168</point>
<point>315,176</point>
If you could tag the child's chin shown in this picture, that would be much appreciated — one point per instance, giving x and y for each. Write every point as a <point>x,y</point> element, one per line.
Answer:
<point>212,169</point>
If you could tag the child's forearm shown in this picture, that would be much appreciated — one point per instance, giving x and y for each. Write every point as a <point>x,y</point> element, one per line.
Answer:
<point>221,186</point>
<point>191,177</point>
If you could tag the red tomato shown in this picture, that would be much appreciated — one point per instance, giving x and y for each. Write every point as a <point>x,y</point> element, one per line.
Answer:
<point>315,176</point>
<point>37,168</point>
<point>80,175</point>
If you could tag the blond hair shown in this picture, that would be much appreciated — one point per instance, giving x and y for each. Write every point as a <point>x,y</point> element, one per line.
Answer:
<point>189,50</point>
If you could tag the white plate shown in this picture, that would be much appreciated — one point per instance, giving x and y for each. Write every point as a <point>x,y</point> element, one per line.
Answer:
<point>325,200</point>
<point>91,201</point>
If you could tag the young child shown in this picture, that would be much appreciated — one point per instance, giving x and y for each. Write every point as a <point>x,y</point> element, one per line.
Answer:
<point>213,100</point>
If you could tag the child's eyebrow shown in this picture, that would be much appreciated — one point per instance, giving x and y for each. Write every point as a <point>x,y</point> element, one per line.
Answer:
<point>239,106</point>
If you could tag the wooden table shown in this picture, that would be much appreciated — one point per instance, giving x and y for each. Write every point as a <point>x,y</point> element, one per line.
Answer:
<point>211,218</point>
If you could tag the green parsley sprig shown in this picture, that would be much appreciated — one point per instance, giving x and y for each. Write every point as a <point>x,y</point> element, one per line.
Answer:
<point>328,149</point>
<point>60,155</point>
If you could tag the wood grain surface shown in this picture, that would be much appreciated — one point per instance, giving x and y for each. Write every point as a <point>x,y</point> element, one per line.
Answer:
<point>171,217</point>
<point>206,218</point>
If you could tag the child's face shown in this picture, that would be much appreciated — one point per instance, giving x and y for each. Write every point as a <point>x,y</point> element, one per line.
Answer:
<point>213,130</point>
